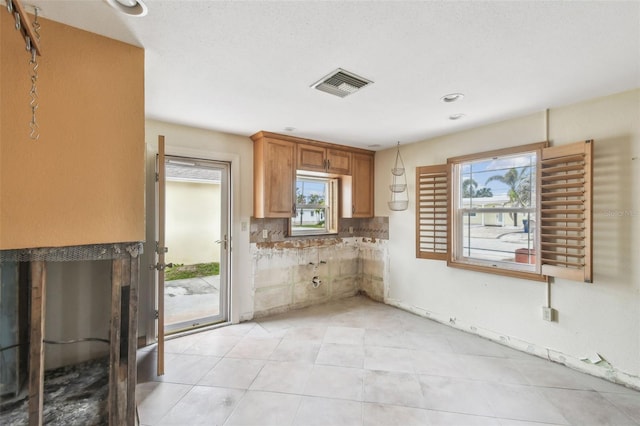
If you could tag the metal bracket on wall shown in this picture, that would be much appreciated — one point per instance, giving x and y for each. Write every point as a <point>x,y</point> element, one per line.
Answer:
<point>31,34</point>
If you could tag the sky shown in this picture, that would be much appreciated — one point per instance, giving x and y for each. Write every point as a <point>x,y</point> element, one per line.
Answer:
<point>481,171</point>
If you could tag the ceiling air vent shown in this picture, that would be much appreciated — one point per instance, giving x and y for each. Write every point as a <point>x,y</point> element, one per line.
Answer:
<point>341,83</point>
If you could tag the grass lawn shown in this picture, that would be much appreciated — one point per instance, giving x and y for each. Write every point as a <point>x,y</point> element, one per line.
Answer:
<point>180,272</point>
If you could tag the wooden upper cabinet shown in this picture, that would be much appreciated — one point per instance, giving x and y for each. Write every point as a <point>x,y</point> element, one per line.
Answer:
<point>277,158</point>
<point>319,159</point>
<point>339,161</point>
<point>362,185</point>
<point>311,157</point>
<point>274,177</point>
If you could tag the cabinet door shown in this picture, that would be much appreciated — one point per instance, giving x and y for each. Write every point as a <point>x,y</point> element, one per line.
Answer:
<point>274,178</point>
<point>311,158</point>
<point>338,162</point>
<point>362,185</point>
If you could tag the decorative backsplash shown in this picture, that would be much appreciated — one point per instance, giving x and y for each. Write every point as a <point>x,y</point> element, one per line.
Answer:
<point>376,228</point>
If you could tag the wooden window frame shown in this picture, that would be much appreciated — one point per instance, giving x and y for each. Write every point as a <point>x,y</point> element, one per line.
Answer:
<point>564,182</point>
<point>330,208</point>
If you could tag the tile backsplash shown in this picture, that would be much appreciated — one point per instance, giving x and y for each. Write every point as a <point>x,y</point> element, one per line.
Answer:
<point>278,229</point>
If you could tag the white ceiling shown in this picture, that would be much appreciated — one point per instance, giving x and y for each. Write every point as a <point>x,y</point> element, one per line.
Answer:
<point>241,67</point>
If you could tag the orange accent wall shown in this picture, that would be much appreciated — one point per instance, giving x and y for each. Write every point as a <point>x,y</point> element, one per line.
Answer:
<point>82,182</point>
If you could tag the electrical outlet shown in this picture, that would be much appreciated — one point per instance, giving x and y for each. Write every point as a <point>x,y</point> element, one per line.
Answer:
<point>351,229</point>
<point>548,314</point>
<point>265,234</point>
<point>243,226</point>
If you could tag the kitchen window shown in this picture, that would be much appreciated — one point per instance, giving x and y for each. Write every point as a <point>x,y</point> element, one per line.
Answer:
<point>316,208</point>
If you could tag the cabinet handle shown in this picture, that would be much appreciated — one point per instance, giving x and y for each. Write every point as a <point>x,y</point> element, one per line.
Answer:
<point>353,209</point>
<point>328,164</point>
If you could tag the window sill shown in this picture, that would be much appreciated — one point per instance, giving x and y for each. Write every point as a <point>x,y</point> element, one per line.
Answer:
<point>533,276</point>
<point>314,234</point>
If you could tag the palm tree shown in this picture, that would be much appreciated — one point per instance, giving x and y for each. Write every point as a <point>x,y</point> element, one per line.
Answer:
<point>483,193</point>
<point>300,201</point>
<point>519,183</point>
<point>469,190</point>
<point>316,200</point>
<point>468,186</point>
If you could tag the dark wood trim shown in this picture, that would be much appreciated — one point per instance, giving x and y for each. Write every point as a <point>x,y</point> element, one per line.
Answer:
<point>36,346</point>
<point>117,277</point>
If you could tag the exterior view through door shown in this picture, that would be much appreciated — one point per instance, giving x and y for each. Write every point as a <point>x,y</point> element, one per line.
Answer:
<point>196,237</point>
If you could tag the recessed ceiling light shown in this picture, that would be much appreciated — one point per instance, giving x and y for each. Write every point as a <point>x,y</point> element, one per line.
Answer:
<point>375,145</point>
<point>289,129</point>
<point>129,7</point>
<point>452,97</point>
<point>457,116</point>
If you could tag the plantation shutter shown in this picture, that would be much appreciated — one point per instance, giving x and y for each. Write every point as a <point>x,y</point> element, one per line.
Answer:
<point>566,211</point>
<point>432,212</point>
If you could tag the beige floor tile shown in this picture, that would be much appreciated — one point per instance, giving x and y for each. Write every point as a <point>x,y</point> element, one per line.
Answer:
<point>520,402</point>
<point>454,395</point>
<point>469,344</point>
<point>437,364</point>
<point>259,408</point>
<point>335,382</point>
<point>212,344</point>
<point>341,355</point>
<point>628,403</point>
<point>540,372</point>
<point>393,388</point>
<point>344,335</point>
<point>426,341</point>
<point>375,414</point>
<point>155,399</point>
<point>355,361</point>
<point>388,359</point>
<point>444,418</point>
<point>296,350</point>
<point>584,407</point>
<point>312,334</point>
<point>254,348</point>
<point>511,422</point>
<point>187,369</point>
<point>287,377</point>
<point>233,373</point>
<point>384,337</point>
<point>316,411</point>
<point>238,330</point>
<point>491,369</point>
<point>203,405</point>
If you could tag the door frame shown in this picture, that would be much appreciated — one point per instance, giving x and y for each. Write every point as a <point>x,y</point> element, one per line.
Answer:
<point>233,160</point>
<point>225,226</point>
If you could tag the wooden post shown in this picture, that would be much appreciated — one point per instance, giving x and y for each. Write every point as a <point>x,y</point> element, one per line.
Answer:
<point>115,394</point>
<point>132,373</point>
<point>123,337</point>
<point>36,347</point>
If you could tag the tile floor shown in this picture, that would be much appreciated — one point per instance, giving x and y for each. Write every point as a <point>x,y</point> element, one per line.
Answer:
<point>358,362</point>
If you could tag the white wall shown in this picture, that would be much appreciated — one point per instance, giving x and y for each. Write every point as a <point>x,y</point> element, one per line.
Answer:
<point>205,144</point>
<point>602,317</point>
